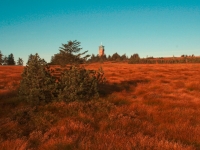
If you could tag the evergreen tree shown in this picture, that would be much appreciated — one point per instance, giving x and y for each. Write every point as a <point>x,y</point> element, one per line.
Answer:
<point>69,54</point>
<point>109,58</point>
<point>5,60</point>
<point>116,57</point>
<point>104,57</point>
<point>93,58</point>
<point>1,58</point>
<point>134,59</point>
<point>11,60</point>
<point>124,57</point>
<point>37,84</point>
<point>20,62</point>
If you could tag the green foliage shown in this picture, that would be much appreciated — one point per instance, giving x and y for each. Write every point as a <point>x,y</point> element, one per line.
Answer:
<point>77,83</point>
<point>124,57</point>
<point>134,59</point>
<point>1,58</point>
<point>116,57</point>
<point>97,58</point>
<point>109,57</point>
<point>20,61</point>
<point>69,54</point>
<point>11,60</point>
<point>37,84</point>
<point>5,60</point>
<point>94,58</point>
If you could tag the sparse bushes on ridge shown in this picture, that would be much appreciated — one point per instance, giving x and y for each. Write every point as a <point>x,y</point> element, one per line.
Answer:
<point>115,58</point>
<point>151,60</point>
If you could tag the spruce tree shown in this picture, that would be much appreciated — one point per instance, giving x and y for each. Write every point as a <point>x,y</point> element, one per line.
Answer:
<point>5,60</point>
<point>69,54</point>
<point>11,60</point>
<point>1,58</point>
<point>37,84</point>
<point>20,61</point>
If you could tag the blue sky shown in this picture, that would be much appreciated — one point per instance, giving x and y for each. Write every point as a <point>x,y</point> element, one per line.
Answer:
<point>158,28</point>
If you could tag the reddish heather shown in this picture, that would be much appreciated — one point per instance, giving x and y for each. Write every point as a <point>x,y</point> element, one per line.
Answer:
<point>10,77</point>
<point>151,106</point>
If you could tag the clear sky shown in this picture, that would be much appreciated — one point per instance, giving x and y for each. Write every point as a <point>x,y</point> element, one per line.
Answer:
<point>158,28</point>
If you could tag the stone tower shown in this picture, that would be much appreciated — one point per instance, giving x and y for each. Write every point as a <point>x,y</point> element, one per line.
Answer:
<point>101,50</point>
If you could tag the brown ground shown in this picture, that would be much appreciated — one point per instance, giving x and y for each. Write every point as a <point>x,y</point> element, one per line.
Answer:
<point>149,106</point>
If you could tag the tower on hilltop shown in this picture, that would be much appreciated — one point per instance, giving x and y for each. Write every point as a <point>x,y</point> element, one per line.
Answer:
<point>101,50</point>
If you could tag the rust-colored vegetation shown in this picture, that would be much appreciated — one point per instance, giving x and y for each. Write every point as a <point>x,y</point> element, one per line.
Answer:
<point>151,106</point>
<point>10,77</point>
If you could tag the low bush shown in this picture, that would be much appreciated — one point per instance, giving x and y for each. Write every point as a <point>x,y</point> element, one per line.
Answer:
<point>39,86</point>
<point>77,83</point>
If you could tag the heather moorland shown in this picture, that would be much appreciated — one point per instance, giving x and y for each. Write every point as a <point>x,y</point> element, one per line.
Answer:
<point>141,106</point>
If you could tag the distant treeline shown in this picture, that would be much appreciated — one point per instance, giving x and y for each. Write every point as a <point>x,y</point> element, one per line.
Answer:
<point>115,57</point>
<point>64,57</point>
<point>135,59</point>
<point>9,60</point>
<point>171,60</point>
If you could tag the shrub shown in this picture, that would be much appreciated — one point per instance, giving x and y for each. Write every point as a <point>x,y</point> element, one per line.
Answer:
<point>134,59</point>
<point>37,84</point>
<point>77,83</point>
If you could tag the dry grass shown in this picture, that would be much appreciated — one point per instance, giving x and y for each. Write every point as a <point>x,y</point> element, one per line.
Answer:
<point>142,107</point>
<point>10,77</point>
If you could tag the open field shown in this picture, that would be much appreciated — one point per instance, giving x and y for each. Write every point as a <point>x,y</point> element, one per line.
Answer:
<point>142,107</point>
<point>10,77</point>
